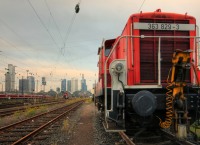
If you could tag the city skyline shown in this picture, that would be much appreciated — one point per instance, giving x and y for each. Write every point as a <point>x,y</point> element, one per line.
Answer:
<point>28,84</point>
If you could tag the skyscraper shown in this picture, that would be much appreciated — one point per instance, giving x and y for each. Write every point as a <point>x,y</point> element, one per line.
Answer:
<point>7,82</point>
<point>63,85</point>
<point>74,85</point>
<point>31,84</point>
<point>44,83</point>
<point>69,86</point>
<point>10,78</point>
<point>23,85</point>
<point>83,84</point>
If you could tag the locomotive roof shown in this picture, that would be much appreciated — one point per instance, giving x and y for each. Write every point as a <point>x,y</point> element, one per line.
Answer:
<point>158,14</point>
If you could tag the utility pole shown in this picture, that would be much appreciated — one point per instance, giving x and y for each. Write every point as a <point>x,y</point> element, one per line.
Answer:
<point>27,73</point>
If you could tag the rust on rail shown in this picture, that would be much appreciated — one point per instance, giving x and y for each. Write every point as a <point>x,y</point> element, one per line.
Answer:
<point>126,138</point>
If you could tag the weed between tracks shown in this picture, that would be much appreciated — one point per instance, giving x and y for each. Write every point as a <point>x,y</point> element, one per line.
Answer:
<point>88,100</point>
<point>20,115</point>
<point>65,125</point>
<point>30,112</point>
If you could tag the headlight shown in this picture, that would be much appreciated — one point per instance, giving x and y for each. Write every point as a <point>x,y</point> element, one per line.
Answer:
<point>119,67</point>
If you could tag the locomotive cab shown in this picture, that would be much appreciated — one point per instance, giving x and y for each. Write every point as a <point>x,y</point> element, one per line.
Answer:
<point>134,75</point>
<point>103,53</point>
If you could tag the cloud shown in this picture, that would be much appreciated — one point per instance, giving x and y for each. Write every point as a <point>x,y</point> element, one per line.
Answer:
<point>36,41</point>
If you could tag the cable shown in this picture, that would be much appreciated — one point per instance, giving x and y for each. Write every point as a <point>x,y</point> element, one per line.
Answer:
<point>67,33</point>
<point>54,20</point>
<point>42,23</point>
<point>18,50</point>
<point>13,46</point>
<point>70,26</point>
<point>13,31</point>
<point>62,49</point>
<point>44,27</point>
<point>141,5</point>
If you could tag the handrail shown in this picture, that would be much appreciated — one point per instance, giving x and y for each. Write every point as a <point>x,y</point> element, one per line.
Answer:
<point>141,36</point>
<point>159,64</point>
<point>197,43</point>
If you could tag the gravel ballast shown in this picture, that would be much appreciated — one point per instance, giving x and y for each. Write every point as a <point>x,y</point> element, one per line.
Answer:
<point>84,127</point>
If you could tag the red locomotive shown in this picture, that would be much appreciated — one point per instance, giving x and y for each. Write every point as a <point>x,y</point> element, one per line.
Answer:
<point>148,76</point>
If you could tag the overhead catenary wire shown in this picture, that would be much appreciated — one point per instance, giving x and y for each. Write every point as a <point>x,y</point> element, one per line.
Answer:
<point>51,13</point>
<point>18,36</point>
<point>22,50</point>
<point>42,23</point>
<point>63,48</point>
<point>17,48</point>
<point>14,46</point>
<point>18,66</point>
<point>54,21</point>
<point>77,8</point>
<point>67,34</point>
<point>13,31</point>
<point>141,6</point>
<point>12,58</point>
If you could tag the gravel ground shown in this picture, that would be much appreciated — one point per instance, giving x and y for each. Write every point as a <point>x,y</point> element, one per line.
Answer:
<point>100,136</point>
<point>84,127</point>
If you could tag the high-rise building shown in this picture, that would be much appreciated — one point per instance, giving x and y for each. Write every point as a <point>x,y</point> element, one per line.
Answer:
<point>63,85</point>
<point>10,78</point>
<point>44,83</point>
<point>23,85</point>
<point>7,82</point>
<point>74,85</point>
<point>69,86</point>
<point>31,84</point>
<point>83,84</point>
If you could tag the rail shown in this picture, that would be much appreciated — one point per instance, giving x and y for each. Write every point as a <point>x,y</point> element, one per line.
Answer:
<point>44,125</point>
<point>19,96</point>
<point>172,136</point>
<point>11,110</point>
<point>37,123</point>
<point>149,137</point>
<point>126,138</point>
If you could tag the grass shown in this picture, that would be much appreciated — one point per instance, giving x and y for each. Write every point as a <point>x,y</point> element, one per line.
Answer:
<point>30,112</point>
<point>88,100</point>
<point>195,128</point>
<point>20,115</point>
<point>65,125</point>
<point>70,101</point>
<point>197,131</point>
<point>17,115</point>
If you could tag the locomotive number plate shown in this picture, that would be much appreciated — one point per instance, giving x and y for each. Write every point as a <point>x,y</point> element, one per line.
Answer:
<point>164,26</point>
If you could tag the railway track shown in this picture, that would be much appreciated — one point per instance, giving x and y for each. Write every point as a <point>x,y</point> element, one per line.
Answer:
<point>26,131</point>
<point>158,137</point>
<point>10,111</point>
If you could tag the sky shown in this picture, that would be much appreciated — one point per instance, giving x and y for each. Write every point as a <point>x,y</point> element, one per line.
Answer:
<point>47,37</point>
